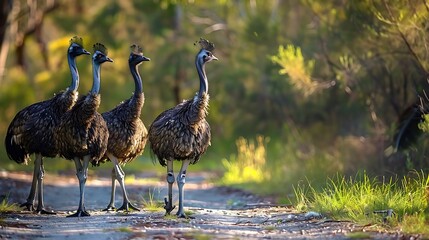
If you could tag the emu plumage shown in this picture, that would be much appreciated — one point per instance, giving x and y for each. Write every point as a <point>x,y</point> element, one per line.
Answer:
<point>31,130</point>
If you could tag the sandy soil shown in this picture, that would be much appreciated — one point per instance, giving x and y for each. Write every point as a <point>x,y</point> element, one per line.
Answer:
<point>216,213</point>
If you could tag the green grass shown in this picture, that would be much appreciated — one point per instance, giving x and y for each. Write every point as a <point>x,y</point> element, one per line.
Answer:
<point>357,199</point>
<point>6,207</point>
<point>151,204</point>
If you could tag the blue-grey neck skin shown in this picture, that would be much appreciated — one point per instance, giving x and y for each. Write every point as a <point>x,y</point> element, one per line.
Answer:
<point>75,74</point>
<point>137,79</point>
<point>199,63</point>
<point>96,67</point>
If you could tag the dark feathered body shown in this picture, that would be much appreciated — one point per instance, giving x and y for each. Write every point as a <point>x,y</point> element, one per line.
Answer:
<point>83,131</point>
<point>127,133</point>
<point>31,131</point>
<point>181,132</point>
<point>407,131</point>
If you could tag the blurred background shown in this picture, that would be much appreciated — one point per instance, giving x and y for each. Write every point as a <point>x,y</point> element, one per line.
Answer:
<point>303,88</point>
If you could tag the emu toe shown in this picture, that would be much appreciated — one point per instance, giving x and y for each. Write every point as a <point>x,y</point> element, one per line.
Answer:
<point>45,211</point>
<point>168,207</point>
<point>181,215</point>
<point>80,213</point>
<point>127,206</point>
<point>110,207</point>
<point>29,206</point>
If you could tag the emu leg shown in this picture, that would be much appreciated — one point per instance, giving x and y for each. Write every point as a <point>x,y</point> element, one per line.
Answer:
<point>82,175</point>
<point>29,204</point>
<point>170,180</point>
<point>120,175</point>
<point>111,206</point>
<point>181,183</point>
<point>40,205</point>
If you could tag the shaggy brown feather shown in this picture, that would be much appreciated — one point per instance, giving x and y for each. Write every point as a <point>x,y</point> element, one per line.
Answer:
<point>31,130</point>
<point>127,133</point>
<point>83,131</point>
<point>181,132</point>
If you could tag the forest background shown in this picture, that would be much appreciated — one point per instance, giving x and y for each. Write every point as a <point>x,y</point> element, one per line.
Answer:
<point>302,88</point>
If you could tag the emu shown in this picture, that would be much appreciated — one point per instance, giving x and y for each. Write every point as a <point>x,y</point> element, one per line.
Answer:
<point>182,132</point>
<point>82,134</point>
<point>31,130</point>
<point>127,133</point>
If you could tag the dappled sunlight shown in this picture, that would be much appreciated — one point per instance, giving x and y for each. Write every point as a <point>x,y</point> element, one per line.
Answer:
<point>248,165</point>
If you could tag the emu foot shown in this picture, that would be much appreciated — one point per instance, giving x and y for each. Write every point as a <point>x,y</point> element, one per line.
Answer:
<point>127,206</point>
<point>168,207</point>
<point>45,211</point>
<point>28,205</point>
<point>181,214</point>
<point>80,213</point>
<point>109,207</point>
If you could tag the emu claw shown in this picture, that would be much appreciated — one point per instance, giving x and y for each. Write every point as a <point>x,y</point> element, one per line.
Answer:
<point>110,207</point>
<point>80,213</point>
<point>168,207</point>
<point>127,206</point>
<point>181,215</point>
<point>44,211</point>
<point>29,206</point>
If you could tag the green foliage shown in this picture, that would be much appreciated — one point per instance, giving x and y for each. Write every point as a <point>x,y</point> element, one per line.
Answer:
<point>360,198</point>
<point>292,62</point>
<point>424,125</point>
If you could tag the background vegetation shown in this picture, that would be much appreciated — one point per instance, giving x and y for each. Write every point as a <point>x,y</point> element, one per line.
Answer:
<point>303,88</point>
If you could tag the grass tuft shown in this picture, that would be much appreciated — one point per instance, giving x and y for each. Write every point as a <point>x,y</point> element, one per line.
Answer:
<point>151,204</point>
<point>367,201</point>
<point>6,207</point>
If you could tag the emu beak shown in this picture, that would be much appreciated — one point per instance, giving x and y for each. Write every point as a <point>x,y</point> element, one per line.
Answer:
<point>214,57</point>
<point>109,59</point>
<point>146,58</point>
<point>86,52</point>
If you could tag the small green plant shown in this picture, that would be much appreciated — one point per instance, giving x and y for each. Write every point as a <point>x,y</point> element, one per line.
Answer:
<point>6,207</point>
<point>151,204</point>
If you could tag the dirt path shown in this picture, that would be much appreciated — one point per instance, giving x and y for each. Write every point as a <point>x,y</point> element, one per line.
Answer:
<point>217,213</point>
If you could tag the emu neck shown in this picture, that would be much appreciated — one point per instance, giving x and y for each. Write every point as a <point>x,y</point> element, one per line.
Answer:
<point>204,86</point>
<point>75,74</point>
<point>96,67</point>
<point>137,79</point>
